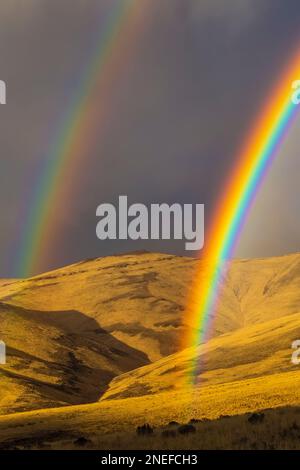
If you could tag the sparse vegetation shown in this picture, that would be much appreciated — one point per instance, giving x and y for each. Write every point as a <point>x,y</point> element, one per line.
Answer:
<point>279,430</point>
<point>106,329</point>
<point>144,430</point>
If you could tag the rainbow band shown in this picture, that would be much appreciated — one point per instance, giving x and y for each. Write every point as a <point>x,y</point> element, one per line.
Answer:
<point>236,201</point>
<point>82,122</point>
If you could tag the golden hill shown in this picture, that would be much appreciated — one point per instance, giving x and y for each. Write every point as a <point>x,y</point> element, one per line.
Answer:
<point>69,332</point>
<point>140,298</point>
<point>111,424</point>
<point>242,371</point>
<point>137,298</point>
<point>74,332</point>
<point>56,358</point>
<point>261,350</point>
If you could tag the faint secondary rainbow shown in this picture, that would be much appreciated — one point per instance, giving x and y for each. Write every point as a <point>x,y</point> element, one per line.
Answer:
<point>253,163</point>
<point>82,122</point>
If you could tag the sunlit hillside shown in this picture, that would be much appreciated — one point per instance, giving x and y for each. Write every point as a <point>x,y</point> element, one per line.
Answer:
<point>111,424</point>
<point>107,331</point>
<point>260,350</point>
<point>69,332</point>
<point>56,358</point>
<point>138,298</point>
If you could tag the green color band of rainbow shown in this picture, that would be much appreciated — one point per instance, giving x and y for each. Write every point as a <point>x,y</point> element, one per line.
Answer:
<point>68,148</point>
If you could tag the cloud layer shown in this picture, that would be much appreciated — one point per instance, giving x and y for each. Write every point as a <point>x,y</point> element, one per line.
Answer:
<point>178,112</point>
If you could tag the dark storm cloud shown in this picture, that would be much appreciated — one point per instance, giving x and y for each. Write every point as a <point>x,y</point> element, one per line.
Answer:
<point>180,108</point>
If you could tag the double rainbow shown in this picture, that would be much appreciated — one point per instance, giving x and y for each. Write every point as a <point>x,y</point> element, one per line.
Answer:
<point>66,159</point>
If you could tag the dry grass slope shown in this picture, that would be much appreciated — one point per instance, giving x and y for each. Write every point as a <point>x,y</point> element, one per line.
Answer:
<point>109,329</point>
<point>260,350</point>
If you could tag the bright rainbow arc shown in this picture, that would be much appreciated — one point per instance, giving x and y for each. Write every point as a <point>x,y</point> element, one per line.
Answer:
<point>66,155</point>
<point>230,216</point>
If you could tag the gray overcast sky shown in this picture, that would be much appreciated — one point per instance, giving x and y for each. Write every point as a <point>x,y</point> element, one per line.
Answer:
<point>181,107</point>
